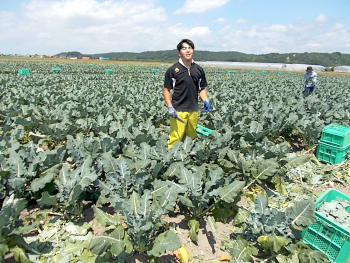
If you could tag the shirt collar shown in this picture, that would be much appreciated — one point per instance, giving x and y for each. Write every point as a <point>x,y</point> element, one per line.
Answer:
<point>180,61</point>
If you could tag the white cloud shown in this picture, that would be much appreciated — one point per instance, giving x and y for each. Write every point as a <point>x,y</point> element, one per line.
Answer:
<point>321,18</point>
<point>241,21</point>
<point>91,26</point>
<point>200,6</point>
<point>86,26</point>
<point>277,28</point>
<point>220,20</point>
<point>225,28</point>
<point>337,27</point>
<point>285,38</point>
<point>199,31</point>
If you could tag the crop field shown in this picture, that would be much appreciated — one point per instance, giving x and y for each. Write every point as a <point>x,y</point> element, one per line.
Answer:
<point>86,175</point>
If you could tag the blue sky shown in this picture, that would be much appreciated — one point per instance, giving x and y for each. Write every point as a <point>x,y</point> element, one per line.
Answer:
<point>248,26</point>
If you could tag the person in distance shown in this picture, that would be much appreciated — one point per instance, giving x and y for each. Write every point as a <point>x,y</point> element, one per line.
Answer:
<point>310,78</point>
<point>183,82</point>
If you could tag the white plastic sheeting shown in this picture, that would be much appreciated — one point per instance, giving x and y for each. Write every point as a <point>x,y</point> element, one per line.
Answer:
<point>302,67</point>
<point>342,69</point>
<point>252,65</point>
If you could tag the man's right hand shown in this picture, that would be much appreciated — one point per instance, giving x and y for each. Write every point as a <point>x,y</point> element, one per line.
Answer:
<point>172,112</point>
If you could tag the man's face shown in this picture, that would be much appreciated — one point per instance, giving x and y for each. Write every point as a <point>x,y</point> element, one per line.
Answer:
<point>186,52</point>
<point>309,71</point>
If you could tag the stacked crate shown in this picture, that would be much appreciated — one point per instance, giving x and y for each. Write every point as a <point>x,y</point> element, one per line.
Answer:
<point>327,236</point>
<point>334,146</point>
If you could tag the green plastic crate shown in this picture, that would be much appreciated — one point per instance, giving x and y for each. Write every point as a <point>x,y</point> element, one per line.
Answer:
<point>55,69</point>
<point>109,72</point>
<point>336,135</point>
<point>328,153</point>
<point>202,131</point>
<point>24,71</point>
<point>230,71</point>
<point>325,235</point>
<point>155,70</point>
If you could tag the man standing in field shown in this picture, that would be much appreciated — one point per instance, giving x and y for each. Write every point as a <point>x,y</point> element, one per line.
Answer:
<point>185,79</point>
<point>310,78</point>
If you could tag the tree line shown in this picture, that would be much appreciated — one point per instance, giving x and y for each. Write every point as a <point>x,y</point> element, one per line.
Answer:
<point>325,59</point>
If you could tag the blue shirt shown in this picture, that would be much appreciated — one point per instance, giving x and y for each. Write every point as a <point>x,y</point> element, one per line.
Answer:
<point>310,79</point>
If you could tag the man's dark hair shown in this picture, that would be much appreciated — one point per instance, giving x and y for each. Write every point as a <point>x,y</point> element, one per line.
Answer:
<point>189,42</point>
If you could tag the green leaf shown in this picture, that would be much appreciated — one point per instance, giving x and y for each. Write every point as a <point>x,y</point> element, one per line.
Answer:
<point>185,201</point>
<point>194,228</point>
<point>216,175</point>
<point>141,165</point>
<point>20,255</point>
<point>85,174</point>
<point>225,164</point>
<point>64,174</point>
<point>134,202</point>
<point>117,242</point>
<point>317,257</point>
<point>47,199</point>
<point>229,192</point>
<point>45,177</point>
<point>167,241</point>
<point>213,226</point>
<point>160,187</point>
<point>75,193</point>
<point>105,219</point>
<point>222,212</point>
<point>243,250</point>
<point>297,161</point>
<point>280,185</point>
<point>73,248</point>
<point>17,163</point>
<point>87,257</point>
<point>168,200</point>
<point>3,250</point>
<point>56,258</point>
<point>173,170</point>
<point>272,243</point>
<point>260,204</point>
<point>242,216</point>
<point>109,163</point>
<point>145,203</point>
<point>288,259</point>
<point>184,175</point>
<point>303,214</point>
<point>15,204</point>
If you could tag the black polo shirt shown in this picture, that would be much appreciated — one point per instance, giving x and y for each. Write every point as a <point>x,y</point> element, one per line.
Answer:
<point>186,83</point>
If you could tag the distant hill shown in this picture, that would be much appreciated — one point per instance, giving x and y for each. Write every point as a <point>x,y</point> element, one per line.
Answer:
<point>326,59</point>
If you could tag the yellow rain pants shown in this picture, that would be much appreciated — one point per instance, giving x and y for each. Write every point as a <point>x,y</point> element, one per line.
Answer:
<point>179,129</point>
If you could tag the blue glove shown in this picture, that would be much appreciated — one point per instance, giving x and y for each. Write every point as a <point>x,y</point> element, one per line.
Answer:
<point>172,112</point>
<point>206,105</point>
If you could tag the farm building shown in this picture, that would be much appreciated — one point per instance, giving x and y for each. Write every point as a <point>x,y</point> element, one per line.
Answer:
<point>85,58</point>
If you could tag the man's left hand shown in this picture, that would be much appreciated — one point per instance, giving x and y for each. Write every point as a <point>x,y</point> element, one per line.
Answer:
<point>206,105</point>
